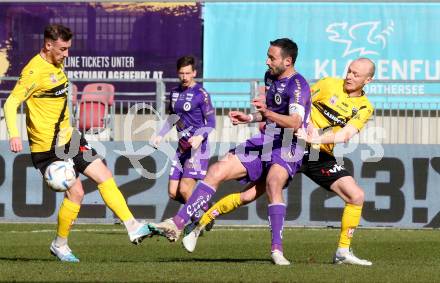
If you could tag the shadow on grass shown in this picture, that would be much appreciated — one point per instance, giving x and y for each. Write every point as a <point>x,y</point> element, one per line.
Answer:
<point>26,259</point>
<point>215,260</point>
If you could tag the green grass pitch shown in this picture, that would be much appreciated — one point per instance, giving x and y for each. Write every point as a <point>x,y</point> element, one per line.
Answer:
<point>222,255</point>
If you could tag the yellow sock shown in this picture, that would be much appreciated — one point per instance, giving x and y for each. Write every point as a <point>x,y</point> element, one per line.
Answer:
<point>225,205</point>
<point>350,220</point>
<point>114,199</point>
<point>66,216</point>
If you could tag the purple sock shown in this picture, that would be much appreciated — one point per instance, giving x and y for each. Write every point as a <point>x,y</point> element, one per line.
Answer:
<point>199,198</point>
<point>276,213</point>
<point>199,213</point>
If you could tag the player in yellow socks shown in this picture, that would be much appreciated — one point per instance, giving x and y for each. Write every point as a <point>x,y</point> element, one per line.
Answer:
<point>341,108</point>
<point>43,85</point>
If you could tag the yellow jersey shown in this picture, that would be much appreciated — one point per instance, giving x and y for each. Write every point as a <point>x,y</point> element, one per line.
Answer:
<point>44,88</point>
<point>333,108</point>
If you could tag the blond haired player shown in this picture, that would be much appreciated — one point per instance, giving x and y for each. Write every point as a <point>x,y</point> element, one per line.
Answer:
<point>340,108</point>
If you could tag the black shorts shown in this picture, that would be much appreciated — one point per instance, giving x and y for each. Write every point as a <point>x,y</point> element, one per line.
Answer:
<point>82,156</point>
<point>324,171</point>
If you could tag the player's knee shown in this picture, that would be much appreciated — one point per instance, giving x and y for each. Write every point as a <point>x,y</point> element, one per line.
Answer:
<point>274,185</point>
<point>357,197</point>
<point>185,190</point>
<point>75,194</point>
<point>172,195</point>
<point>216,173</point>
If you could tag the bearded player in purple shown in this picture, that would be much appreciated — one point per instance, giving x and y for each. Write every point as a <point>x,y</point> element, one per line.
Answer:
<point>269,159</point>
<point>191,110</point>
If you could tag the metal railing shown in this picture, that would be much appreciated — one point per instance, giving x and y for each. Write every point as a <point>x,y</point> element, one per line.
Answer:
<point>397,119</point>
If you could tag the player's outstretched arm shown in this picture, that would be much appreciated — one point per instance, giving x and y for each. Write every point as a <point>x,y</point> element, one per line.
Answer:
<point>11,105</point>
<point>329,137</point>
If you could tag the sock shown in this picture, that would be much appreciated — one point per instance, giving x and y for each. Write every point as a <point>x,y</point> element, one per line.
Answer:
<point>114,199</point>
<point>66,216</point>
<point>277,213</point>
<point>131,225</point>
<point>200,196</point>
<point>350,220</point>
<point>60,241</point>
<point>223,206</point>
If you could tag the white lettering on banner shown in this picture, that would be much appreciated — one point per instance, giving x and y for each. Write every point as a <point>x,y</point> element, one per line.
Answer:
<point>122,62</point>
<point>128,75</point>
<point>395,89</point>
<point>95,61</point>
<point>99,62</point>
<point>386,69</point>
<point>72,62</point>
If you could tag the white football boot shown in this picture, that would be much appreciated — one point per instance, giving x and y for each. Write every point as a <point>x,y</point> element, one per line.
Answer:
<point>63,253</point>
<point>347,257</point>
<point>278,258</point>
<point>190,240</point>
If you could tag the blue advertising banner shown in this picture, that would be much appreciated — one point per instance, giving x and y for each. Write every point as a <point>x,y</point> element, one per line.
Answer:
<point>401,38</point>
<point>111,40</point>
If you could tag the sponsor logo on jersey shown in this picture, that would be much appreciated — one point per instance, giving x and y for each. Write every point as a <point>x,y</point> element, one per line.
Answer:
<point>354,111</point>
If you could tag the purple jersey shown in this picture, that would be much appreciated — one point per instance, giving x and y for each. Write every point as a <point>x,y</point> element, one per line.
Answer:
<point>287,96</point>
<point>195,111</point>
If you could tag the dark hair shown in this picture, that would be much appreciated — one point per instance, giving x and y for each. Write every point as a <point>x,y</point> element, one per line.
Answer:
<point>186,61</point>
<point>56,31</point>
<point>288,48</point>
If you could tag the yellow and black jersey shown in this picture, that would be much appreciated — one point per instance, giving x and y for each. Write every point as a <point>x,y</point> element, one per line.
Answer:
<point>44,87</point>
<point>333,108</point>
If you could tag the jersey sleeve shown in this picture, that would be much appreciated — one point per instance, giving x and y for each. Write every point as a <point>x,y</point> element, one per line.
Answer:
<point>361,118</point>
<point>299,98</point>
<point>208,112</point>
<point>24,88</point>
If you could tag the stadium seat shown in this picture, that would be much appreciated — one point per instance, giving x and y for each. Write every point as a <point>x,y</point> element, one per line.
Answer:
<point>94,107</point>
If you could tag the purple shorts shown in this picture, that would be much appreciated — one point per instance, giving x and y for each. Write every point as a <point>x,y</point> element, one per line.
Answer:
<point>257,156</point>
<point>184,165</point>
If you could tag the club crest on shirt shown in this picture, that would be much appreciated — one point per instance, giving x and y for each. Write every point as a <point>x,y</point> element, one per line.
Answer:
<point>333,99</point>
<point>277,98</point>
<point>187,106</point>
<point>53,78</point>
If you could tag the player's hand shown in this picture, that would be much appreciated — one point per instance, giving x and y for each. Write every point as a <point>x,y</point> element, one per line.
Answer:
<point>155,141</point>
<point>260,104</point>
<point>238,117</point>
<point>195,141</point>
<point>301,134</point>
<point>15,144</point>
<point>310,135</point>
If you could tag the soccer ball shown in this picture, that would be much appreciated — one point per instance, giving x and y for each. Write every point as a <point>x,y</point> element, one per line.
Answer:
<point>60,176</point>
